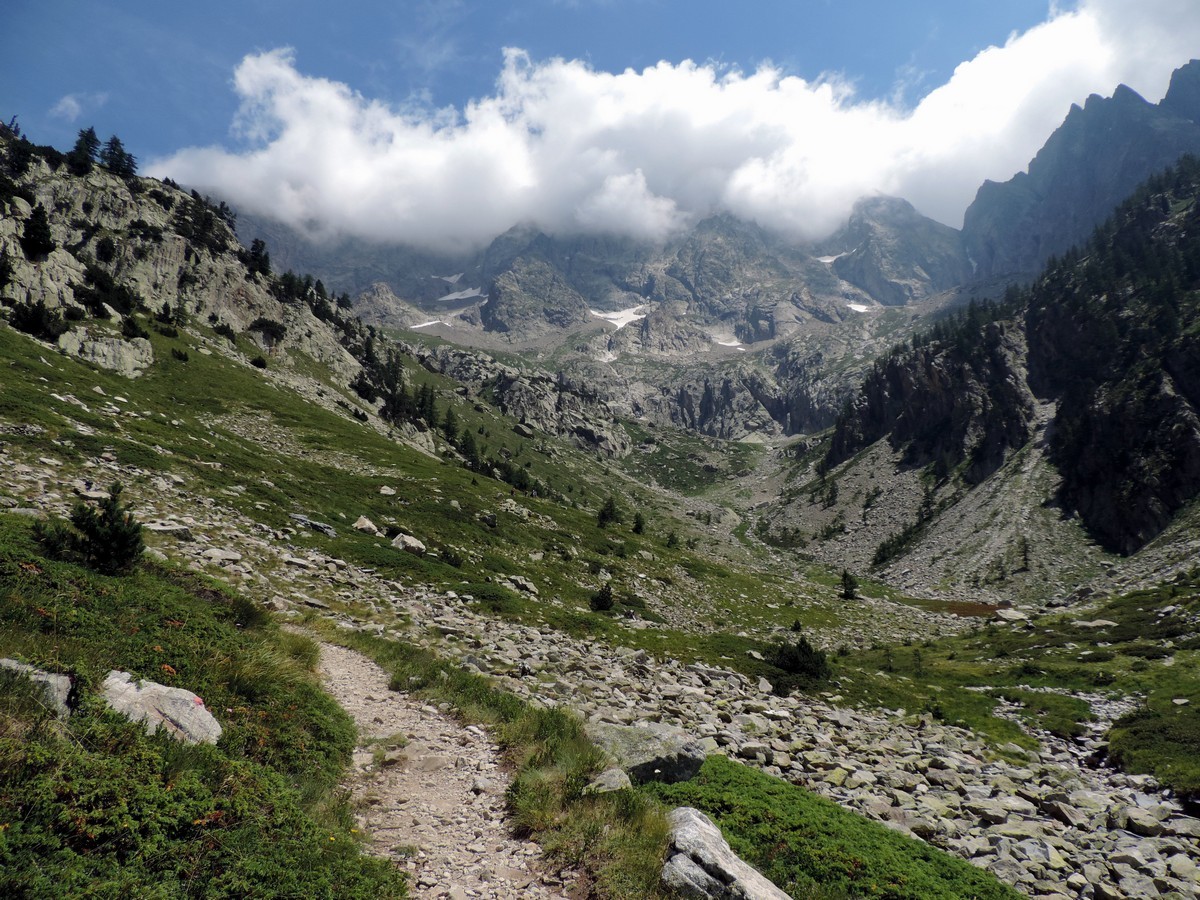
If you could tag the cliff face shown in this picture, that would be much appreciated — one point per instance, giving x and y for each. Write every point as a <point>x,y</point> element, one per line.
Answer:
<point>960,399</point>
<point>1095,159</point>
<point>530,298</point>
<point>123,244</point>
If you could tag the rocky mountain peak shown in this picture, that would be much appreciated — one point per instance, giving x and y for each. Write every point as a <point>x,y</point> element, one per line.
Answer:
<point>895,254</point>
<point>1183,96</point>
<point>1095,159</point>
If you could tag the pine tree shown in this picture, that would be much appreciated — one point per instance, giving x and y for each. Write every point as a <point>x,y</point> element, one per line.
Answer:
<point>115,158</point>
<point>450,425</point>
<point>259,260</point>
<point>107,539</point>
<point>37,241</point>
<point>82,156</point>
<point>470,451</point>
<point>608,513</point>
<point>849,585</point>
<point>639,523</point>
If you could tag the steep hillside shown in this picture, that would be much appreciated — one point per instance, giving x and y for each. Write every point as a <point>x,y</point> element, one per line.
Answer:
<point>1091,371</point>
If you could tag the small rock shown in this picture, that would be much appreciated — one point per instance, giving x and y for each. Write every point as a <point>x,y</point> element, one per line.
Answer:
<point>408,544</point>
<point>365,525</point>
<point>608,781</point>
<point>55,688</point>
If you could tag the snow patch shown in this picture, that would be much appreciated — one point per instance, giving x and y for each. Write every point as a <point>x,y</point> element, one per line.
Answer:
<point>449,279</point>
<point>460,295</point>
<point>829,259</point>
<point>858,307</point>
<point>431,322</point>
<point>621,317</point>
<point>733,343</point>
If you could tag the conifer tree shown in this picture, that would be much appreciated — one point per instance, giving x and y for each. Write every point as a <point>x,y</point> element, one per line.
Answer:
<point>37,241</point>
<point>608,513</point>
<point>82,156</point>
<point>115,158</point>
<point>849,585</point>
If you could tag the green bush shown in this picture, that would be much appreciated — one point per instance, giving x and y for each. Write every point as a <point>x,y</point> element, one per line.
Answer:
<point>107,540</point>
<point>802,659</point>
<point>1163,740</point>
<point>494,598</point>
<point>131,328</point>
<point>602,600</point>
<point>811,847</point>
<point>38,320</point>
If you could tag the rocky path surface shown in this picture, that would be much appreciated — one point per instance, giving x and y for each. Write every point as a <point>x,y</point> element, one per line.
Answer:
<point>429,791</point>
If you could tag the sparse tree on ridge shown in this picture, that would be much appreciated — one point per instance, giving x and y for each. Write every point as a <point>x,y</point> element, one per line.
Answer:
<point>115,158</point>
<point>82,156</point>
<point>259,260</point>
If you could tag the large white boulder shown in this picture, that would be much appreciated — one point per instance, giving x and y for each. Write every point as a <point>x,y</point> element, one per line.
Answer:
<point>701,864</point>
<point>177,711</point>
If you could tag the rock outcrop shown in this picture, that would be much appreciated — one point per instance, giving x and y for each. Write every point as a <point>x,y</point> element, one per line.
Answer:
<point>700,863</point>
<point>650,751</point>
<point>125,357</point>
<point>178,712</point>
<point>56,689</point>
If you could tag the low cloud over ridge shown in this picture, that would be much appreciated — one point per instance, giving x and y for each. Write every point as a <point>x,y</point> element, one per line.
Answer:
<point>645,152</point>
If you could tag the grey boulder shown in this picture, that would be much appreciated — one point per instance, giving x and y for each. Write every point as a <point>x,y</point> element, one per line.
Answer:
<point>700,863</point>
<point>56,689</point>
<point>177,711</point>
<point>651,751</point>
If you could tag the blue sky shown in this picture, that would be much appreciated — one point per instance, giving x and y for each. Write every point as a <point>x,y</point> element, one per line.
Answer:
<point>159,73</point>
<point>409,120</point>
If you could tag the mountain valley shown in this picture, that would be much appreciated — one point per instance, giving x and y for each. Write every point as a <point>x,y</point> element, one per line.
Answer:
<point>904,519</point>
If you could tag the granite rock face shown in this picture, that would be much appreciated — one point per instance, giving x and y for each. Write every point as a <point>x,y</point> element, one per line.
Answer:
<point>650,751</point>
<point>701,864</point>
<point>177,711</point>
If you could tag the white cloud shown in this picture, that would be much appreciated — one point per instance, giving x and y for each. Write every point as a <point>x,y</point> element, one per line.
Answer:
<point>642,152</point>
<point>71,106</point>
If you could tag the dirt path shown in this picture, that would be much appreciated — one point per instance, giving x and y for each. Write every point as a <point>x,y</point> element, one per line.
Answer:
<point>429,791</point>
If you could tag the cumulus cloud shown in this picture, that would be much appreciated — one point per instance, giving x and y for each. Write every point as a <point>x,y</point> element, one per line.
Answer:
<point>71,106</point>
<point>644,152</point>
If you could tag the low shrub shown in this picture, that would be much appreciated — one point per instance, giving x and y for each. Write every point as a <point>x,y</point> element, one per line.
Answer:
<point>602,600</point>
<point>811,847</point>
<point>38,320</point>
<point>801,659</point>
<point>106,539</point>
